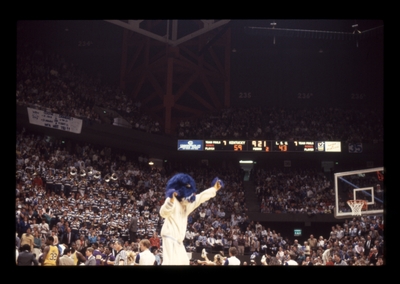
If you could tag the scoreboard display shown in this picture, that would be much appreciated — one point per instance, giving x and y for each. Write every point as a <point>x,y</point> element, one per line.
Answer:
<point>260,145</point>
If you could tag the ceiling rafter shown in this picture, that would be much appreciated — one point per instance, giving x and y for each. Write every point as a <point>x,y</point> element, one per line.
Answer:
<point>134,25</point>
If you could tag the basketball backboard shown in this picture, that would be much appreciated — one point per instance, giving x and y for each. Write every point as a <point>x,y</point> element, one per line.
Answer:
<point>365,184</point>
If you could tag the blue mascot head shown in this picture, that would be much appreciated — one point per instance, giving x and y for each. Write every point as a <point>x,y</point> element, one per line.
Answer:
<point>184,185</point>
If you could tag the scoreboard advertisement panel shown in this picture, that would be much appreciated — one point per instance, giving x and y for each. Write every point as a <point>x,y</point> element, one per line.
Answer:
<point>259,146</point>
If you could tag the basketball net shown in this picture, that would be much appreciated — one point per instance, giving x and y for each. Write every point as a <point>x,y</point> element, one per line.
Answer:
<point>356,206</point>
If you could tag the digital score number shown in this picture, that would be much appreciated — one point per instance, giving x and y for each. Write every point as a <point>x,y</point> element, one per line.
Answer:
<point>293,146</point>
<point>225,145</point>
<point>260,145</point>
<point>281,146</point>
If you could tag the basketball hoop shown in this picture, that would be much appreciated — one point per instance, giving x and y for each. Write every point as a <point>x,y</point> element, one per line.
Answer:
<point>357,206</point>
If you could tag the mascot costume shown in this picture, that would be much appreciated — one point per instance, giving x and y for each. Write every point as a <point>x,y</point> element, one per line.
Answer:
<point>181,200</point>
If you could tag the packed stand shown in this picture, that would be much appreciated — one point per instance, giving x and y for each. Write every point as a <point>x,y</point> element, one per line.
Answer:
<point>287,123</point>
<point>48,82</point>
<point>92,193</point>
<point>58,192</point>
<point>305,191</point>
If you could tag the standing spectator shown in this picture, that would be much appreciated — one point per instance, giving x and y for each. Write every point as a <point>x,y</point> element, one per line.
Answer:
<point>306,249</point>
<point>29,239</point>
<point>353,230</point>
<point>254,245</point>
<point>373,256</point>
<point>93,237</point>
<point>44,229</point>
<point>155,241</point>
<point>313,242</point>
<point>379,246</point>
<point>339,233</point>
<point>75,226</point>
<point>327,253</point>
<point>55,237</point>
<point>133,226</point>
<point>26,257</point>
<point>145,257</point>
<point>37,181</point>
<point>368,245</point>
<point>280,254</point>
<point>66,258</point>
<point>24,225</point>
<point>321,243</point>
<point>359,248</point>
<point>232,259</point>
<point>37,243</point>
<point>68,238</point>
<point>81,243</point>
<point>373,233</point>
<point>333,234</point>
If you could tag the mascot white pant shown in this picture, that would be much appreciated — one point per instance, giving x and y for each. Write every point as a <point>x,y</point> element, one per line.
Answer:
<point>175,214</point>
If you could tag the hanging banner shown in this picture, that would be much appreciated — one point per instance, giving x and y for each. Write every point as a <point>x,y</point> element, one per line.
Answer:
<point>54,120</point>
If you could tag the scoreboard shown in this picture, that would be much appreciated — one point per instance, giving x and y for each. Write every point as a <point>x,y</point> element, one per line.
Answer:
<point>259,145</point>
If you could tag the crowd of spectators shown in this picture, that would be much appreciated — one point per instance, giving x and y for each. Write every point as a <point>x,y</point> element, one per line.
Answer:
<point>307,191</point>
<point>287,123</point>
<point>93,191</point>
<point>58,191</point>
<point>47,81</point>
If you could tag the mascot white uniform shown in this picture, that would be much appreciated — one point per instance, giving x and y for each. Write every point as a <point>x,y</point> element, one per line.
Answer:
<point>180,201</point>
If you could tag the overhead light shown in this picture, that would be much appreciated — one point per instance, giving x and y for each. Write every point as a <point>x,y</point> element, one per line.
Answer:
<point>151,163</point>
<point>273,26</point>
<point>245,162</point>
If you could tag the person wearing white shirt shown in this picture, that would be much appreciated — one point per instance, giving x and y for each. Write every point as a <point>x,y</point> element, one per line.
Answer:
<point>189,236</point>
<point>359,248</point>
<point>145,257</point>
<point>326,254</point>
<point>210,244</point>
<point>321,242</point>
<point>201,240</point>
<point>353,231</point>
<point>290,261</point>
<point>232,259</point>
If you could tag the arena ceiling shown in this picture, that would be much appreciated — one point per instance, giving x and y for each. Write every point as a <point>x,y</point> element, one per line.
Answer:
<point>104,37</point>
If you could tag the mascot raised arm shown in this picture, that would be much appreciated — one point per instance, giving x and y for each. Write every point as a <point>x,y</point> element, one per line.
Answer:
<point>181,200</point>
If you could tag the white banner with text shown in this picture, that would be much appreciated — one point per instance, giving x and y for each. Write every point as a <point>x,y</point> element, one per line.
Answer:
<point>54,120</point>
